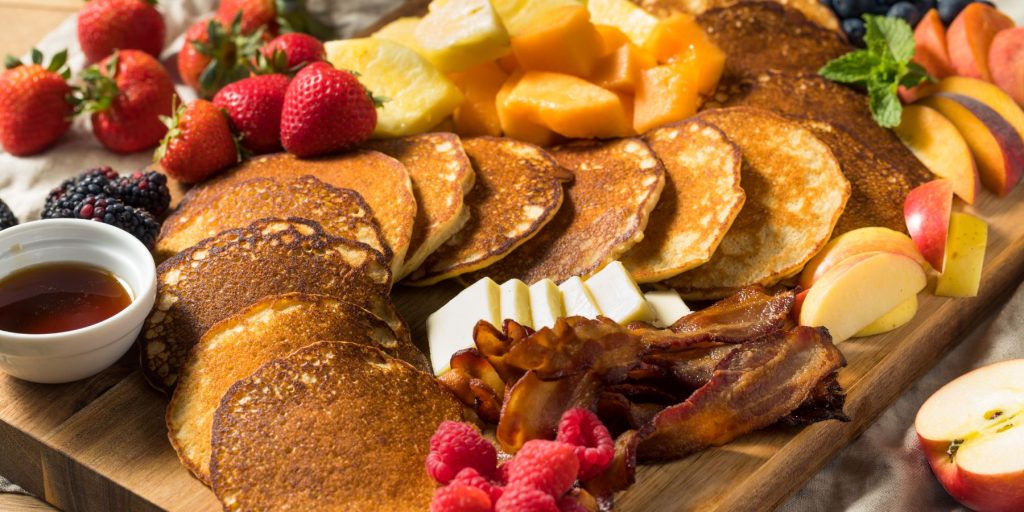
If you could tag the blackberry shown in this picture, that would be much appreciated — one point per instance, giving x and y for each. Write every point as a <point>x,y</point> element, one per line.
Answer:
<point>145,190</point>
<point>61,201</point>
<point>7,218</point>
<point>110,210</point>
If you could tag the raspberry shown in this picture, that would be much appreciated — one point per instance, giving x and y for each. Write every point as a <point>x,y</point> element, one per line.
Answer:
<point>109,210</point>
<point>524,498</point>
<point>472,478</point>
<point>458,445</point>
<point>460,498</point>
<point>501,475</point>
<point>7,218</point>
<point>145,190</point>
<point>61,201</point>
<point>593,444</point>
<point>550,466</point>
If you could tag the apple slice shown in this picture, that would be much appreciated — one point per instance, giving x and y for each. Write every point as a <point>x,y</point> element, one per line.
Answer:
<point>898,317</point>
<point>859,241</point>
<point>972,433</point>
<point>926,210</point>
<point>937,143</point>
<point>860,290</point>
<point>965,256</point>
<point>997,147</point>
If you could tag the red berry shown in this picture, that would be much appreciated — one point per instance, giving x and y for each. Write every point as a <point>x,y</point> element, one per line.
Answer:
<point>550,466</point>
<point>34,107</point>
<point>591,440</point>
<point>207,63</point>
<point>457,445</point>
<point>127,94</point>
<point>108,25</point>
<point>460,498</point>
<point>198,144</point>
<point>473,478</point>
<point>254,106</point>
<point>297,49</point>
<point>326,110</point>
<point>524,498</point>
<point>255,14</point>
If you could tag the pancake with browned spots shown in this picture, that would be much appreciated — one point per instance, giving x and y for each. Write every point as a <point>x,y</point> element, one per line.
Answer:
<point>382,181</point>
<point>616,186</point>
<point>813,10</point>
<point>795,195</point>
<point>236,347</point>
<point>518,190</point>
<point>227,273</point>
<point>441,176</point>
<point>333,426</point>
<point>341,212</point>
<point>701,198</point>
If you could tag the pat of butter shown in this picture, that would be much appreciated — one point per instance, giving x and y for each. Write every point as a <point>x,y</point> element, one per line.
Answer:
<point>515,303</point>
<point>450,329</point>
<point>617,295</point>
<point>577,299</point>
<point>668,306</point>
<point>545,303</point>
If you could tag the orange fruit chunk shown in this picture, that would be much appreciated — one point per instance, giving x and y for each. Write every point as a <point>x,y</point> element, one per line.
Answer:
<point>478,114</point>
<point>667,94</point>
<point>563,41</point>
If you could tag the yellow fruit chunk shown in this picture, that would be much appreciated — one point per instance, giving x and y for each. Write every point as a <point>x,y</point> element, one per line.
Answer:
<point>478,114</point>
<point>621,70</point>
<point>508,63</point>
<point>965,256</point>
<point>679,39</point>
<point>419,96</point>
<point>897,317</point>
<point>571,106</point>
<point>666,94</point>
<point>611,37</point>
<point>626,16</point>
<point>401,31</point>
<point>519,15</point>
<point>563,41</point>
<point>459,34</point>
<point>520,116</point>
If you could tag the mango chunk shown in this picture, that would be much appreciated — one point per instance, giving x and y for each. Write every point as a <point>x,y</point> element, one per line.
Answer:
<point>621,70</point>
<point>611,37</point>
<point>459,34</point>
<point>708,62</point>
<point>626,16</point>
<point>419,96</point>
<point>563,41</point>
<point>478,114</point>
<point>519,15</point>
<point>679,38</point>
<point>519,115</point>
<point>571,106</point>
<point>666,94</point>
<point>401,31</point>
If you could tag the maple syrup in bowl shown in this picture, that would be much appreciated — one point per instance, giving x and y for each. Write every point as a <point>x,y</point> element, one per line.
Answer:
<point>73,298</point>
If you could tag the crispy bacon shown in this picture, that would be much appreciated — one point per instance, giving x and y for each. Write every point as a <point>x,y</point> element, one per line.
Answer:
<point>753,387</point>
<point>575,345</point>
<point>475,382</point>
<point>621,473</point>
<point>534,407</point>
<point>826,403</point>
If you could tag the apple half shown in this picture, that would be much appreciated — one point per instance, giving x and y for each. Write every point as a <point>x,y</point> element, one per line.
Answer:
<point>972,432</point>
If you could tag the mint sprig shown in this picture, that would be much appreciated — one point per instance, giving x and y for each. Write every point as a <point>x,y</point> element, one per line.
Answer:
<point>882,67</point>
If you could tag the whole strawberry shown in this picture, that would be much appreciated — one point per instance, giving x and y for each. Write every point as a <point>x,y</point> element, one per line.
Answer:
<point>127,93</point>
<point>199,143</point>
<point>254,106</point>
<point>216,54</point>
<point>35,109</point>
<point>326,110</point>
<point>255,14</point>
<point>108,25</point>
<point>287,53</point>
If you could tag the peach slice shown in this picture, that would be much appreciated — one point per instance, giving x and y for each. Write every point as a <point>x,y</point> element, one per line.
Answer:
<point>859,241</point>
<point>937,143</point>
<point>1006,60</point>
<point>995,144</point>
<point>969,38</point>
<point>927,210</point>
<point>930,51</point>
<point>965,257</point>
<point>991,95</point>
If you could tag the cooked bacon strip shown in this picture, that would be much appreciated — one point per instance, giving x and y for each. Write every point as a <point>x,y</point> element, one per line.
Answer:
<point>495,344</point>
<point>753,387</point>
<point>575,345</point>
<point>475,383</point>
<point>693,367</point>
<point>826,403</point>
<point>533,407</point>
<point>621,473</point>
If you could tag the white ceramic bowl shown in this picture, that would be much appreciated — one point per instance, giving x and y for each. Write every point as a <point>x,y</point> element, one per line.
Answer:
<point>73,355</point>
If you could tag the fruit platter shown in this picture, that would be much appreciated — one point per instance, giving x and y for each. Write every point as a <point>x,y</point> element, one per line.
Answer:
<point>510,255</point>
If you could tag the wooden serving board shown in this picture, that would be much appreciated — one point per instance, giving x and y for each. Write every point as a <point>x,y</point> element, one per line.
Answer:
<point>101,443</point>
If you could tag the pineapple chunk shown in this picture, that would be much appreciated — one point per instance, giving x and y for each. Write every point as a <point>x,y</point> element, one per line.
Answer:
<point>401,31</point>
<point>519,15</point>
<point>418,95</point>
<point>459,34</point>
<point>624,15</point>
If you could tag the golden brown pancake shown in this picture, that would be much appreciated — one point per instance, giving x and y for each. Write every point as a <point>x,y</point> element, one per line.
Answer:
<point>341,212</point>
<point>333,426</point>
<point>701,198</point>
<point>382,181</point>
<point>441,176</point>
<point>795,195</point>
<point>227,273</point>
<point>517,191</point>
<point>237,346</point>
<point>813,10</point>
<point>616,186</point>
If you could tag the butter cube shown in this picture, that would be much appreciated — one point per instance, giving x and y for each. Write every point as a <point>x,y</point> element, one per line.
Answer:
<point>668,306</point>
<point>617,295</point>
<point>545,304</point>
<point>577,300</point>
<point>515,303</point>
<point>459,34</point>
<point>450,329</point>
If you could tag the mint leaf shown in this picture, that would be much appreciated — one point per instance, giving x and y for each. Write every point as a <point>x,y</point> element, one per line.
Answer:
<point>885,104</point>
<point>892,36</point>
<point>916,75</point>
<point>852,68</point>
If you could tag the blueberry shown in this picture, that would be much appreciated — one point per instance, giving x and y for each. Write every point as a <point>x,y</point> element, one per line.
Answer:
<point>854,29</point>
<point>905,10</point>
<point>845,8</point>
<point>923,6</point>
<point>872,6</point>
<point>949,9</point>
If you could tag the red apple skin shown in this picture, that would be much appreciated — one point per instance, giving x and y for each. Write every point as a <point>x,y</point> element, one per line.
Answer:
<point>982,493</point>
<point>926,210</point>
